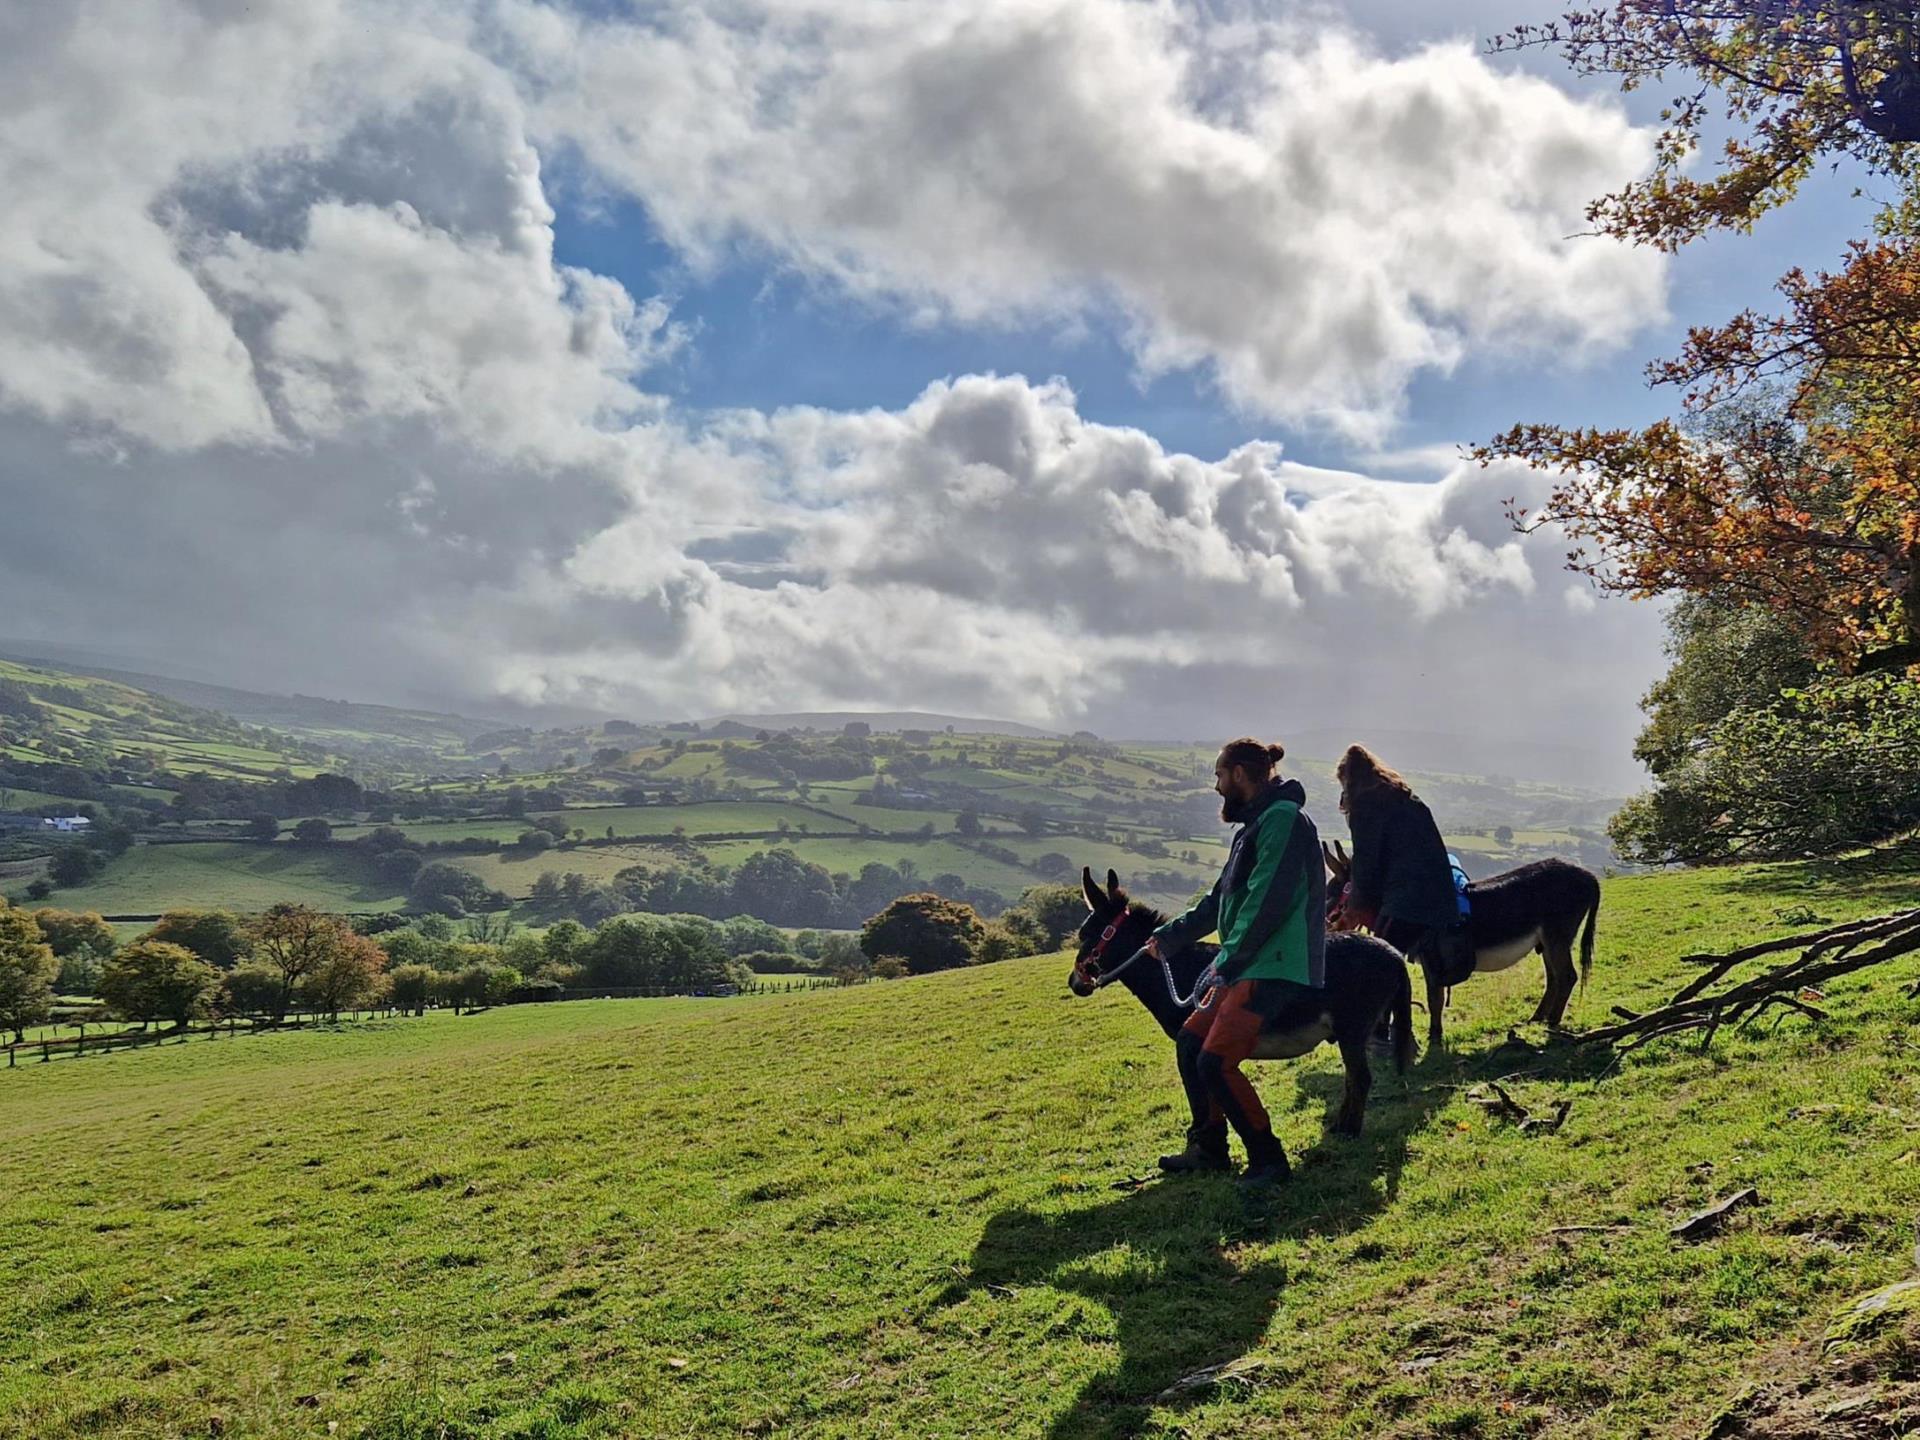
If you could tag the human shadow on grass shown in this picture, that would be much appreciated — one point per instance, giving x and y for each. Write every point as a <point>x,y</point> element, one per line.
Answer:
<point>1161,1259</point>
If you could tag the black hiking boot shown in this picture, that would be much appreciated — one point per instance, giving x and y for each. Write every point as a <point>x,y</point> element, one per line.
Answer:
<point>1206,1151</point>
<point>1266,1162</point>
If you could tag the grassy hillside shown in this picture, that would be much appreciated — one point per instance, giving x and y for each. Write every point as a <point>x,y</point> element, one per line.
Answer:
<point>60,718</point>
<point>894,1211</point>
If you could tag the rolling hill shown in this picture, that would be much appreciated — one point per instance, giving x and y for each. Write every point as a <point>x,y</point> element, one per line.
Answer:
<point>55,720</point>
<point>880,721</point>
<point>980,816</point>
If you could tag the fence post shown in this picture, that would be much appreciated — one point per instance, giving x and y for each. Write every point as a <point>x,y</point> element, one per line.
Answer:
<point>44,1056</point>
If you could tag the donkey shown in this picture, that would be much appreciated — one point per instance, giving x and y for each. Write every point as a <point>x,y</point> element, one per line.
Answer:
<point>1511,915</point>
<point>1366,983</point>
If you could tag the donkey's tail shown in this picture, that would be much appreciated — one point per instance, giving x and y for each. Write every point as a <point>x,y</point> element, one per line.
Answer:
<point>1586,941</point>
<point>1405,1051</point>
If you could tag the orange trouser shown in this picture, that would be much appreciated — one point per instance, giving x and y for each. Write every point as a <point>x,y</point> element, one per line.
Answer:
<point>1210,1048</point>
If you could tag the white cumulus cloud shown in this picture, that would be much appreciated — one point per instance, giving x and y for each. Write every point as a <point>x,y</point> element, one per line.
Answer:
<point>1312,222</point>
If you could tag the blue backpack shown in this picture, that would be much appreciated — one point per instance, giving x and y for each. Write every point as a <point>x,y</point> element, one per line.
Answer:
<point>1459,888</point>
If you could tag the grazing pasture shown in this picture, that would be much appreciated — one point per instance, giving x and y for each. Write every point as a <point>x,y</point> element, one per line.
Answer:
<point>893,1210</point>
<point>228,875</point>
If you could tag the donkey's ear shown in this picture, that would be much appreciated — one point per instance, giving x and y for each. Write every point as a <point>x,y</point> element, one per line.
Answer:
<point>1326,851</point>
<point>1341,851</point>
<point>1095,900</point>
<point>1113,885</point>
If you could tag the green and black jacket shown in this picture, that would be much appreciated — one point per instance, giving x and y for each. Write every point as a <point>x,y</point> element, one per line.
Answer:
<point>1270,902</point>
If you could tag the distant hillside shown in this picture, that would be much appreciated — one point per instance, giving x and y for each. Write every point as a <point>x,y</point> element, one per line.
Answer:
<point>1496,756</point>
<point>293,713</point>
<point>882,721</point>
<point>56,722</point>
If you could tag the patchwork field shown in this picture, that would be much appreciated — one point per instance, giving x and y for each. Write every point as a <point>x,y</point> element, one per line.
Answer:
<point>680,1218</point>
<point>233,876</point>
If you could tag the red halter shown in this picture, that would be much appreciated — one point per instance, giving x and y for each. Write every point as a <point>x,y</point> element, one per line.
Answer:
<point>1100,946</point>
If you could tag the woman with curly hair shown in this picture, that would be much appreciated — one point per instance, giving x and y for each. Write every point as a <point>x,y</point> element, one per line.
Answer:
<point>1402,885</point>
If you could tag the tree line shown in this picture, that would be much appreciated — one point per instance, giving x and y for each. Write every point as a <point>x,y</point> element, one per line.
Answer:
<point>193,965</point>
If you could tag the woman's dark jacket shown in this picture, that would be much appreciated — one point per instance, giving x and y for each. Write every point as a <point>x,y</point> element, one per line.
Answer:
<point>1400,866</point>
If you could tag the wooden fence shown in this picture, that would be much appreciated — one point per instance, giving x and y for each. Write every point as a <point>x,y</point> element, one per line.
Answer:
<point>80,1045</point>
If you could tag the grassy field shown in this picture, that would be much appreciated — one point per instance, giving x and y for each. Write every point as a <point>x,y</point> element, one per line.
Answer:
<point>686,1218</point>
<point>930,858</point>
<point>514,873</point>
<point>427,831</point>
<point>234,876</point>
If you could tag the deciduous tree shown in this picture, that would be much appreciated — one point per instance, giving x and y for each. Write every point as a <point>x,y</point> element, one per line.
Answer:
<point>153,980</point>
<point>66,931</point>
<point>27,971</point>
<point>297,942</point>
<point>1792,81</point>
<point>216,936</point>
<point>350,972</point>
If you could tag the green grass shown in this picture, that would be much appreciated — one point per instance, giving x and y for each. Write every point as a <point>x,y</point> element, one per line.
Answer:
<point>930,858</point>
<point>16,799</point>
<point>228,875</point>
<point>891,1211</point>
<point>426,831</point>
<point>514,873</point>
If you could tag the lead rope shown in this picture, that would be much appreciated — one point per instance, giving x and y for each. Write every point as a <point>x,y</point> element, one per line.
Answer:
<point>1185,1002</point>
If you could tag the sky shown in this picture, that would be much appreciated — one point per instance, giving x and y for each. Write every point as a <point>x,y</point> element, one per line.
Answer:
<point>1094,363</point>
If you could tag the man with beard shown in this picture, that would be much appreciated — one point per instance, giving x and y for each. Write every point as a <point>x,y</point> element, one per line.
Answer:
<point>1269,907</point>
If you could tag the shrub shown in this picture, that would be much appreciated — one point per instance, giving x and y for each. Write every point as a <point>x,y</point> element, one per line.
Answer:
<point>75,865</point>
<point>891,967</point>
<point>1054,910</point>
<point>397,868</point>
<point>774,962</point>
<point>447,889</point>
<point>411,987</point>
<point>998,942</point>
<point>932,933</point>
<point>252,988</point>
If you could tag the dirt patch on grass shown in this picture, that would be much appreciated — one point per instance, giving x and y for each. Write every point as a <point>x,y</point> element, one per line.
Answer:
<point>1856,1391</point>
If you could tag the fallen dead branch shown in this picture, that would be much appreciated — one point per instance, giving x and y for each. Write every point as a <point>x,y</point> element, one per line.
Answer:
<point>1705,1222</point>
<point>1792,986</point>
<point>1500,1103</point>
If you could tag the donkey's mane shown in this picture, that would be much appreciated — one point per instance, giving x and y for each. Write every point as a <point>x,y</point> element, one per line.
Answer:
<point>1144,912</point>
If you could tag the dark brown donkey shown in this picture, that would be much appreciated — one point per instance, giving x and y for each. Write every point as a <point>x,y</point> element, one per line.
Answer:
<point>1511,915</point>
<point>1366,985</point>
